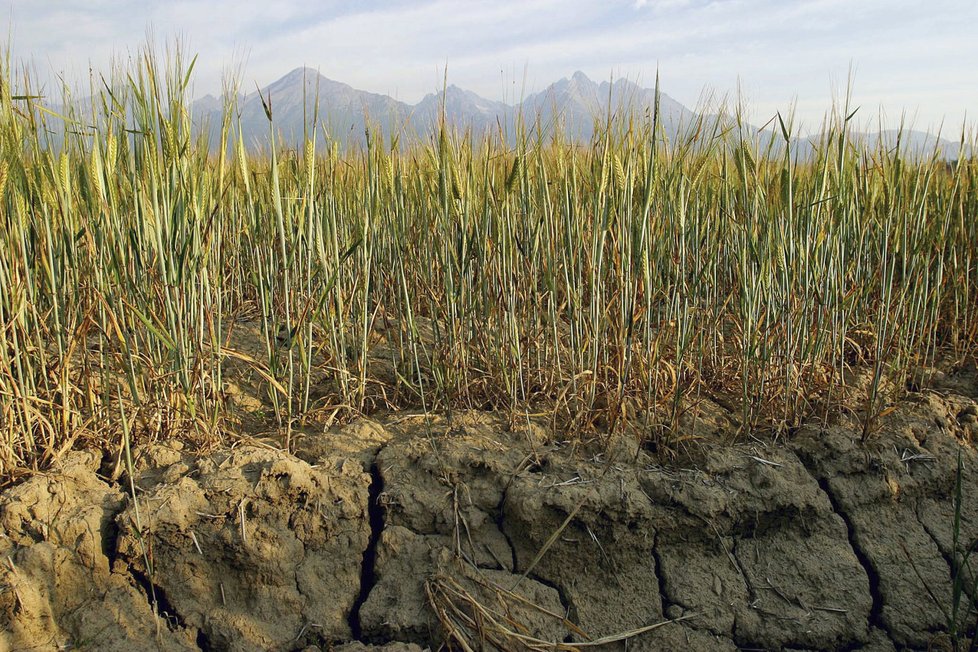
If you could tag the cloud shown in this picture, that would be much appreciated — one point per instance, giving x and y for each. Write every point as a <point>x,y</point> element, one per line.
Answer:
<point>907,55</point>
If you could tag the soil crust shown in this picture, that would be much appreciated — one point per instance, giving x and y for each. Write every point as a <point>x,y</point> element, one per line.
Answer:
<point>417,532</point>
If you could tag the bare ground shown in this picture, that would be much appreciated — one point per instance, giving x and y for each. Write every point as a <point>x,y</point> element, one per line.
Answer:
<point>413,532</point>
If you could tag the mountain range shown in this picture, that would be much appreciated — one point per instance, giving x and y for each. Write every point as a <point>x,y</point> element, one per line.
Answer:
<point>570,104</point>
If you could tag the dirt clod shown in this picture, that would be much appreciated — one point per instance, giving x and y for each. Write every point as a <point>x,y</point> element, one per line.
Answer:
<point>895,493</point>
<point>255,548</point>
<point>419,532</point>
<point>57,589</point>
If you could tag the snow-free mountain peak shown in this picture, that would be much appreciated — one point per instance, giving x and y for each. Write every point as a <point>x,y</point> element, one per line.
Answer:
<point>570,104</point>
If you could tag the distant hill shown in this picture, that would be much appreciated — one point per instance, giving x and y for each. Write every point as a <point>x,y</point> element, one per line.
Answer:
<point>576,101</point>
<point>463,109</point>
<point>919,142</point>
<point>342,109</point>
<point>570,104</point>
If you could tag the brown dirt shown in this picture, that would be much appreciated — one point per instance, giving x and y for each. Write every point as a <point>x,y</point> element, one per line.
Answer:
<point>417,532</point>
<point>57,587</point>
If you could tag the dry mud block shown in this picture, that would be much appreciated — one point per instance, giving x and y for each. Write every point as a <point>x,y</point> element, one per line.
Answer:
<point>254,548</point>
<point>359,440</point>
<point>57,590</point>
<point>441,558</point>
<point>361,647</point>
<point>424,592</point>
<point>746,546</point>
<point>450,482</point>
<point>895,493</point>
<point>449,512</point>
<point>604,559</point>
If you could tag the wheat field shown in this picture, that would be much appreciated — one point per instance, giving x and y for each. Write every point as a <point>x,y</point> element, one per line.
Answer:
<point>608,285</point>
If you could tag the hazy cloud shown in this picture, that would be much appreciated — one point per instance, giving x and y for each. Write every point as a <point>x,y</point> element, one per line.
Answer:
<point>907,56</point>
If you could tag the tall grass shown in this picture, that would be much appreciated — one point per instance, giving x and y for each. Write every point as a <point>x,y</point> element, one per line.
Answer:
<point>609,285</point>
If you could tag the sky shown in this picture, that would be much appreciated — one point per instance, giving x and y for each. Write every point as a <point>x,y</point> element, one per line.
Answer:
<point>905,57</point>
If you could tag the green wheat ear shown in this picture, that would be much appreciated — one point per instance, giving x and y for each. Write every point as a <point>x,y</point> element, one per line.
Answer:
<point>613,286</point>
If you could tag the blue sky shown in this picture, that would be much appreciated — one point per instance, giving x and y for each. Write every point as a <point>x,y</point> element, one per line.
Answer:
<point>920,58</point>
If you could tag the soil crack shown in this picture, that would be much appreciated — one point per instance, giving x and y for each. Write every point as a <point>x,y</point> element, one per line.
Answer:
<point>958,573</point>
<point>163,608</point>
<point>158,600</point>
<point>744,575</point>
<point>501,525</point>
<point>948,557</point>
<point>872,574</point>
<point>666,599</point>
<point>155,596</point>
<point>570,610</point>
<point>368,567</point>
<point>109,532</point>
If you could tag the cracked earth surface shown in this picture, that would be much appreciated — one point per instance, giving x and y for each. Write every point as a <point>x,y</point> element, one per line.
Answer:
<point>402,534</point>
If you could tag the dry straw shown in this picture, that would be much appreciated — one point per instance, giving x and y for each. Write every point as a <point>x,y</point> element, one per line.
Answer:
<point>610,285</point>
